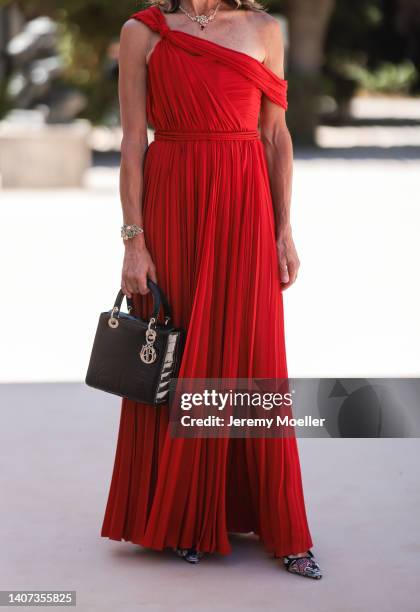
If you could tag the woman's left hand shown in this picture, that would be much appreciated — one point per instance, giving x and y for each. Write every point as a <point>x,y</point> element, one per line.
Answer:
<point>288,259</point>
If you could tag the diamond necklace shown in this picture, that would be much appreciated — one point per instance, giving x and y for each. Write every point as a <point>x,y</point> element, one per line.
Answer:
<point>202,20</point>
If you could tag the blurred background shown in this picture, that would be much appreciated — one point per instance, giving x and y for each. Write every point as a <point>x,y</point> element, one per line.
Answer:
<point>354,114</point>
<point>61,56</point>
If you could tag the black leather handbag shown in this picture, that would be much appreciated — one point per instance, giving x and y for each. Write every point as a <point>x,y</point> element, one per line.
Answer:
<point>134,358</point>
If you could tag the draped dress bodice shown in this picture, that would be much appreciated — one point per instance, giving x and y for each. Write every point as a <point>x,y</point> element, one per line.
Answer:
<point>197,85</point>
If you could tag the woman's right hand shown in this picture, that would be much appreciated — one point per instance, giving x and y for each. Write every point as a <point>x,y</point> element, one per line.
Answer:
<point>137,268</point>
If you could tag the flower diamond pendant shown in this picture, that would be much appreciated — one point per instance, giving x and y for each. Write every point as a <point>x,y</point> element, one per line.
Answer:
<point>203,20</point>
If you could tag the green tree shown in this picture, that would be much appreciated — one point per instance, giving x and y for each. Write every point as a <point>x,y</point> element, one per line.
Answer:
<point>308,23</point>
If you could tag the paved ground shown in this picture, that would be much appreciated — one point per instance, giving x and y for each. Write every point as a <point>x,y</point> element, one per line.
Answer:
<point>354,312</point>
<point>57,450</point>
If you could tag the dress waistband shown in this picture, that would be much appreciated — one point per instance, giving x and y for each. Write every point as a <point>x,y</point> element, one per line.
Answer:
<point>177,135</point>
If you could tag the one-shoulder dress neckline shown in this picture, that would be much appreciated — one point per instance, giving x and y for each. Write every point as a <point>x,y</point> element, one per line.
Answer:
<point>164,29</point>
<point>206,40</point>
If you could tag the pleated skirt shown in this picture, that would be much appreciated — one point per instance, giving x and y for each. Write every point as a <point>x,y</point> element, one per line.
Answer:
<point>209,226</point>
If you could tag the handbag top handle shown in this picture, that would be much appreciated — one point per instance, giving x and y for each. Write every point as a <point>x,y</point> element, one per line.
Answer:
<point>159,299</point>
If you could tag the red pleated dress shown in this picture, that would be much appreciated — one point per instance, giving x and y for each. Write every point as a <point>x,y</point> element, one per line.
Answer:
<point>209,226</point>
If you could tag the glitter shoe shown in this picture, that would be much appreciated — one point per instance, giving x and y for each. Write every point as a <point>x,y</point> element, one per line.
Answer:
<point>303,566</point>
<point>189,554</point>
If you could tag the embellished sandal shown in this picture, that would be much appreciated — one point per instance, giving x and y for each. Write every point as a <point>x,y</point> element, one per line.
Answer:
<point>189,554</point>
<point>303,566</point>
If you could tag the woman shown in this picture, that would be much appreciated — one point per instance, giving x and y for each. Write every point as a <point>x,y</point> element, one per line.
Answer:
<point>206,215</point>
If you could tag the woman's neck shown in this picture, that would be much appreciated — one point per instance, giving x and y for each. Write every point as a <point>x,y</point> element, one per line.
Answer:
<point>200,7</point>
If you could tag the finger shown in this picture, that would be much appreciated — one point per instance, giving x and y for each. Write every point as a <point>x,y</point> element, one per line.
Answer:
<point>292,279</point>
<point>284,272</point>
<point>152,274</point>
<point>293,272</point>
<point>131,285</point>
<point>142,285</point>
<point>124,289</point>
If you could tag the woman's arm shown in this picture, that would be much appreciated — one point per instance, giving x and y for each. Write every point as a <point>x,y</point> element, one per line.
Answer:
<point>279,155</point>
<point>134,46</point>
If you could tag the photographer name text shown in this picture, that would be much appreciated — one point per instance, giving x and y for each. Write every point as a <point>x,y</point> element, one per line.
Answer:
<point>269,422</point>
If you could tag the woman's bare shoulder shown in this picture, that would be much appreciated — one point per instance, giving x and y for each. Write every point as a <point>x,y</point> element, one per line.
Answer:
<point>268,31</point>
<point>132,27</point>
<point>267,25</point>
<point>135,35</point>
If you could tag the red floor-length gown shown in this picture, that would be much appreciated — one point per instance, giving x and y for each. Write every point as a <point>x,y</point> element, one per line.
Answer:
<point>209,225</point>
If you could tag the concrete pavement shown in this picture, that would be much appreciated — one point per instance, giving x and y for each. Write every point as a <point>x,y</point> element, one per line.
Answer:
<point>57,444</point>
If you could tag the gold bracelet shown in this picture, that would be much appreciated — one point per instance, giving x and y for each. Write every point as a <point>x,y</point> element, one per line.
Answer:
<point>129,231</point>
